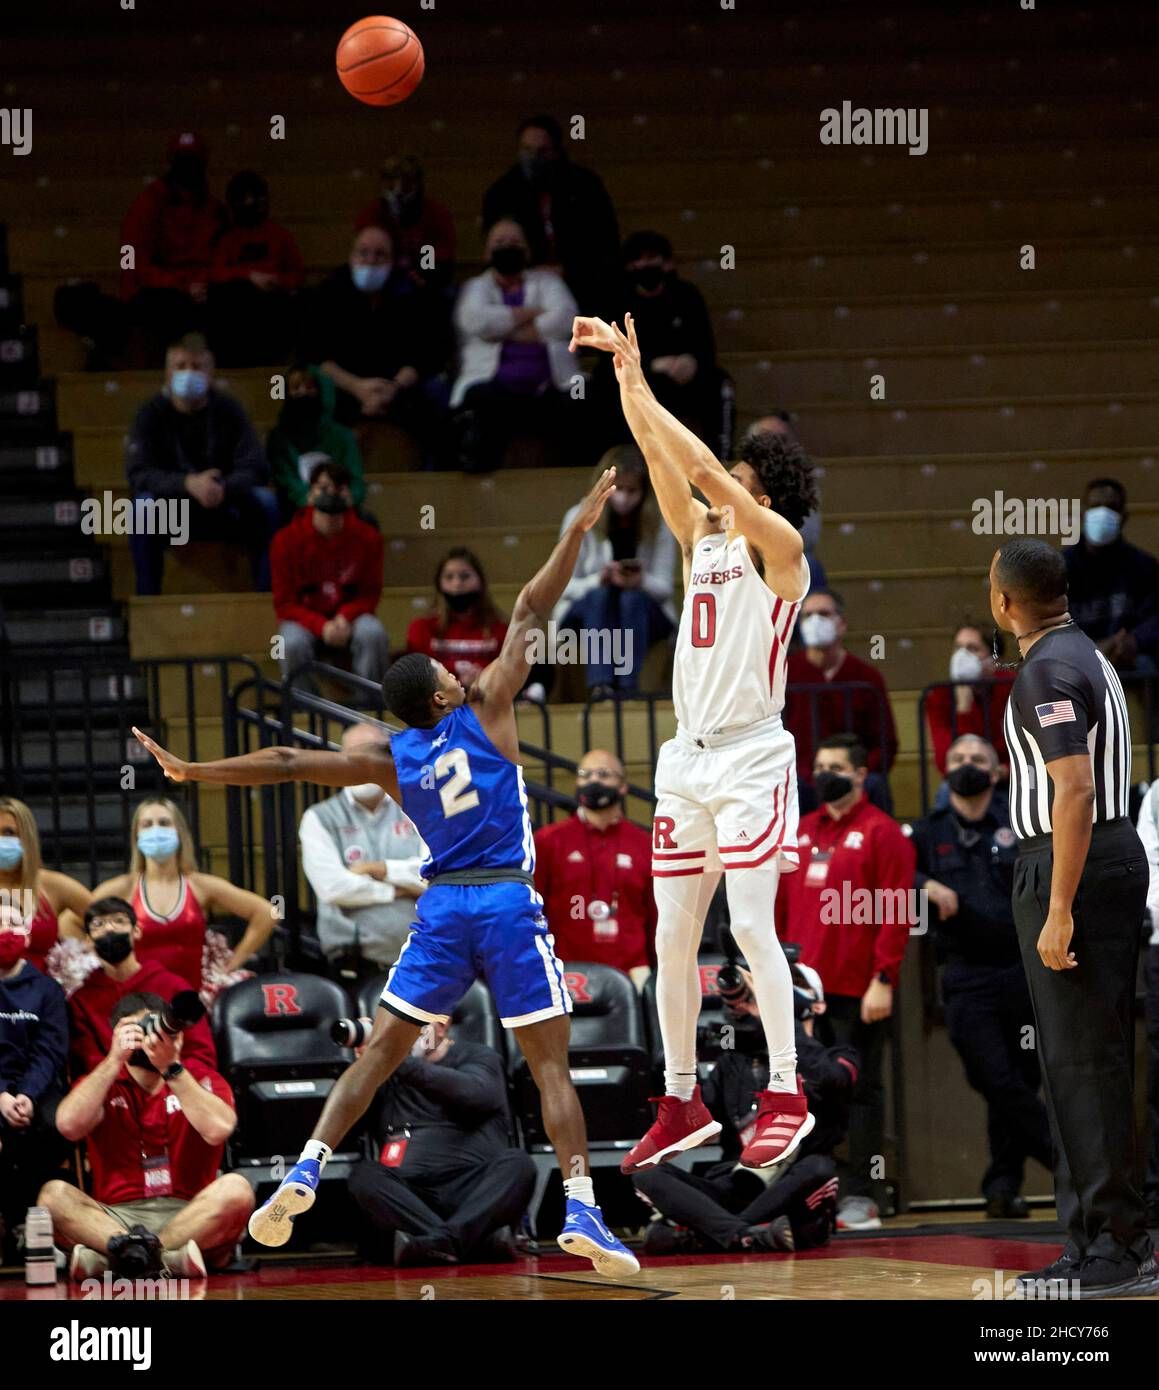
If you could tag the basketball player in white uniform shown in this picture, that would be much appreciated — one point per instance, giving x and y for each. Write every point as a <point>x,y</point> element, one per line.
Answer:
<point>726,785</point>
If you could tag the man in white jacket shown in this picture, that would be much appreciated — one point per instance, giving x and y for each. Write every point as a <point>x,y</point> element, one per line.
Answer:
<point>513,325</point>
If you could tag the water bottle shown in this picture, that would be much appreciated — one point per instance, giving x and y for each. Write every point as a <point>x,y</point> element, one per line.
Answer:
<point>39,1256</point>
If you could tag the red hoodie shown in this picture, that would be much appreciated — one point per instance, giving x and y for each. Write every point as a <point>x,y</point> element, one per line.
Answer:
<point>90,1007</point>
<point>317,577</point>
<point>172,240</point>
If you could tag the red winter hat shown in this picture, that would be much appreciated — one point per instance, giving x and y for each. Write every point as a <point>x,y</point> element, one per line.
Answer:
<point>187,142</point>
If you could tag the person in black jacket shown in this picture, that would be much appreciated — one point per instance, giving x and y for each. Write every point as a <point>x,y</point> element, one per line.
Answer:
<point>564,210</point>
<point>444,1186</point>
<point>790,1206</point>
<point>194,448</point>
<point>33,1054</point>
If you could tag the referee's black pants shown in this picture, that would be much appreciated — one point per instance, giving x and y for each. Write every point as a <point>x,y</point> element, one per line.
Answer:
<point>1086,1032</point>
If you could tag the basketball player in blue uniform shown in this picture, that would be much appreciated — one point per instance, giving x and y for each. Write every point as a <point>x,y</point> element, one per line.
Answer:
<point>455,771</point>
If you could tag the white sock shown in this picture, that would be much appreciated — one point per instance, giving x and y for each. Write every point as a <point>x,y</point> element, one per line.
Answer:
<point>783,1079</point>
<point>581,1190</point>
<point>679,1084</point>
<point>680,907</point>
<point>752,894</point>
<point>316,1149</point>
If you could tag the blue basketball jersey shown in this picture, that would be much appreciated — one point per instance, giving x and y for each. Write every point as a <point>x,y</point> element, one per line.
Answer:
<point>467,800</point>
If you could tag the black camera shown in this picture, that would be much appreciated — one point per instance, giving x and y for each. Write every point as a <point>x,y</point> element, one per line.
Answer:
<point>182,1012</point>
<point>351,1032</point>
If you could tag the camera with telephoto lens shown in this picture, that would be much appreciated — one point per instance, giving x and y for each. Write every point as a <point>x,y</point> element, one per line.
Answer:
<point>351,1032</point>
<point>182,1012</point>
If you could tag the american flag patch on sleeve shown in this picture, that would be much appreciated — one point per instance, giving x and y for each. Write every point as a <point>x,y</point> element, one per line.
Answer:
<point>1056,712</point>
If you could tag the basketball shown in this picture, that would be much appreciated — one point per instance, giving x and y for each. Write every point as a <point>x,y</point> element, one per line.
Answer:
<point>379,60</point>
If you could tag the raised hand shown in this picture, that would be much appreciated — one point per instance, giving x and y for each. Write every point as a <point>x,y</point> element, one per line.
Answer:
<point>591,333</point>
<point>593,503</point>
<point>173,768</point>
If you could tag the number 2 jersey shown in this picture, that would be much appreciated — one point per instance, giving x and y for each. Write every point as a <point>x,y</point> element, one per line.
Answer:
<point>467,799</point>
<point>732,648</point>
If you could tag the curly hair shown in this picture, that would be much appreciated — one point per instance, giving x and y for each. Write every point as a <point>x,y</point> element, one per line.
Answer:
<point>786,474</point>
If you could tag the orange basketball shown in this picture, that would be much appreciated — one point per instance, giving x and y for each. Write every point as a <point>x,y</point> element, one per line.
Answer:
<point>379,60</point>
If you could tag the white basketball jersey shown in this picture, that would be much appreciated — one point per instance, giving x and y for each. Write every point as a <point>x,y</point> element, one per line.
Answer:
<point>732,649</point>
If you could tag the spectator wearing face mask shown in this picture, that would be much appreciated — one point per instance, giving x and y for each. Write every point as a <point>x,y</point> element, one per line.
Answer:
<point>195,445</point>
<point>111,925</point>
<point>569,219</point>
<point>1113,586</point>
<point>173,902</point>
<point>965,861</point>
<point>306,435</point>
<point>467,631</point>
<point>51,904</point>
<point>171,226</point>
<point>594,873</point>
<point>513,325</point>
<point>849,907</point>
<point>780,423</point>
<point>361,856</point>
<point>33,1056</point>
<point>257,270</point>
<point>813,713</point>
<point>422,228</point>
<point>380,338</point>
<point>327,572</point>
<point>624,576</point>
<point>971,707</point>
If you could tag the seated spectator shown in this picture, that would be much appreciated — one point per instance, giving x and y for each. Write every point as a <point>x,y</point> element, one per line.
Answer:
<point>446,1188</point>
<point>193,443</point>
<point>1113,586</point>
<point>972,707</point>
<point>1149,834</point>
<point>565,209</point>
<point>672,322</point>
<point>33,1057</point>
<point>813,714</point>
<point>789,1206</point>
<point>421,228</point>
<point>173,902</point>
<point>50,903</point>
<point>112,927</point>
<point>965,861</point>
<point>594,873</point>
<point>257,270</point>
<point>327,571</point>
<point>513,326</point>
<point>307,434</point>
<point>361,856</point>
<point>849,848</point>
<point>623,579</point>
<point>467,632</point>
<point>780,425</point>
<point>379,338</point>
<point>171,226</point>
<point>155,1121</point>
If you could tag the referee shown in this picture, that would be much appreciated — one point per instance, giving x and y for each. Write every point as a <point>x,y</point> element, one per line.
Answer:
<point>1080,889</point>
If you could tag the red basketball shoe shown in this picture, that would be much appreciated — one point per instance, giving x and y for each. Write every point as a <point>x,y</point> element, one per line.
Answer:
<point>680,1125</point>
<point>782,1122</point>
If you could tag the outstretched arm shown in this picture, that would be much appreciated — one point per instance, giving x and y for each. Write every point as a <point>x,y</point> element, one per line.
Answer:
<point>500,682</point>
<point>270,766</point>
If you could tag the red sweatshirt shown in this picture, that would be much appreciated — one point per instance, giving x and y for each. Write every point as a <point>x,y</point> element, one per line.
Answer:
<point>577,864</point>
<point>172,240</point>
<point>317,577</point>
<point>270,248</point>
<point>464,646</point>
<point>939,712</point>
<point>89,1009</point>
<point>845,933</point>
<point>865,710</point>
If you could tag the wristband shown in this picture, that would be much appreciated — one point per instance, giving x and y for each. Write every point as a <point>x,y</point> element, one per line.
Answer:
<point>173,1072</point>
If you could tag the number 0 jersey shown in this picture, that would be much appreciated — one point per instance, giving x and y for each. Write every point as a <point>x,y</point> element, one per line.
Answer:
<point>733,644</point>
<point>467,800</point>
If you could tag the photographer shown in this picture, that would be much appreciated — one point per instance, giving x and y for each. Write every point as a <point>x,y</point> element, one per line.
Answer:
<point>446,1188</point>
<point>156,1129</point>
<point>790,1206</point>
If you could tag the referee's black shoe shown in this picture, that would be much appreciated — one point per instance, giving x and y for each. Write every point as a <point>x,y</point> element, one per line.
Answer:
<point>1037,1284</point>
<point>1117,1276</point>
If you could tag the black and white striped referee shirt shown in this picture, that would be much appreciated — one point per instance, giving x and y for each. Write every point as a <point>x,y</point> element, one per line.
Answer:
<point>1067,699</point>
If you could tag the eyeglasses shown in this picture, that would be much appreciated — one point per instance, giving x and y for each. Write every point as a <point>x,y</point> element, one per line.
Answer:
<point>601,774</point>
<point>110,923</point>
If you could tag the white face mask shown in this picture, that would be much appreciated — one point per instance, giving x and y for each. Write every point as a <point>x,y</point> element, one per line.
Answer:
<point>369,792</point>
<point>818,630</point>
<point>965,665</point>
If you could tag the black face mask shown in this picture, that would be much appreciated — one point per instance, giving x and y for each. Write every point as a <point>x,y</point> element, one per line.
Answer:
<point>301,413</point>
<point>968,780</point>
<point>249,214</point>
<point>188,172</point>
<point>597,796</point>
<point>832,786</point>
<point>459,603</point>
<point>114,946</point>
<point>509,260</point>
<point>650,277</point>
<point>331,504</point>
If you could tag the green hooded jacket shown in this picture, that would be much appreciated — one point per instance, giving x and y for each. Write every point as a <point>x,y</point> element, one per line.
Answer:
<point>286,448</point>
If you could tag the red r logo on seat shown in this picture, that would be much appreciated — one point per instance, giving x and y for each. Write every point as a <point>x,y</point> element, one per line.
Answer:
<point>280,999</point>
<point>577,987</point>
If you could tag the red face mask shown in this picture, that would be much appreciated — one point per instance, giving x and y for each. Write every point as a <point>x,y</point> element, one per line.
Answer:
<point>13,945</point>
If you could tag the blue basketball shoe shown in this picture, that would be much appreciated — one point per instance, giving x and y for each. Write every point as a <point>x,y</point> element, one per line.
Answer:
<point>272,1223</point>
<point>584,1233</point>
